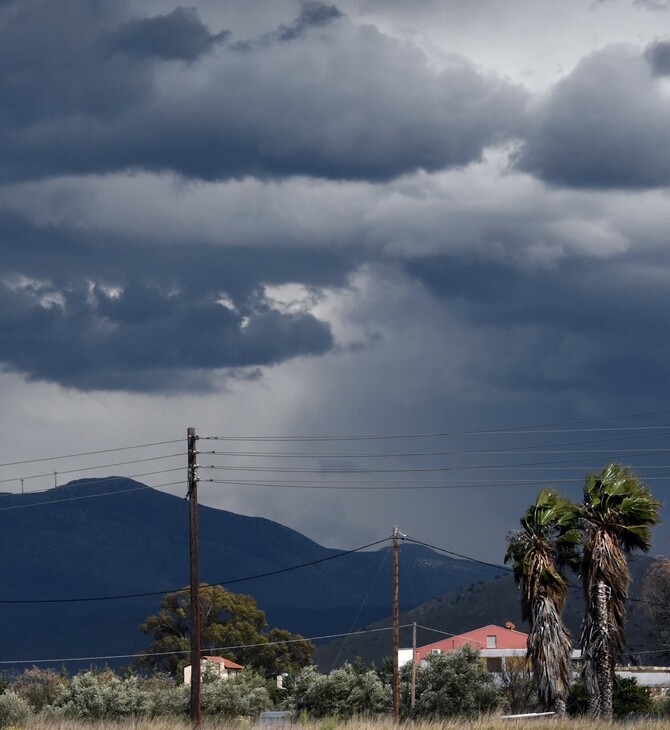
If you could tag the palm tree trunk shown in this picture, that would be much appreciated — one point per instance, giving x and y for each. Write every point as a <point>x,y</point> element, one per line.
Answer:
<point>559,707</point>
<point>604,667</point>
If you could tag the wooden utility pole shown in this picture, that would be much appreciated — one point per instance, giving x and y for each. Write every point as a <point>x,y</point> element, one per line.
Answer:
<point>195,577</point>
<point>413,699</point>
<point>396,630</point>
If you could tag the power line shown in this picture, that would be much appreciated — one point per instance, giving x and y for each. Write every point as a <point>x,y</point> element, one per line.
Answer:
<point>537,465</point>
<point>280,571</point>
<point>141,488</point>
<point>525,449</point>
<point>99,466</point>
<point>537,428</point>
<point>458,555</point>
<point>91,453</point>
<point>187,651</point>
<point>371,485</point>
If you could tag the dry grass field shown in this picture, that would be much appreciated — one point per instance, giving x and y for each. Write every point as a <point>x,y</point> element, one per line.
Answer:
<point>490,723</point>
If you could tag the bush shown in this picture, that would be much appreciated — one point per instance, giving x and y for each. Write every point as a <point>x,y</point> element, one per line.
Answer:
<point>172,701</point>
<point>240,695</point>
<point>344,693</point>
<point>631,699</point>
<point>39,687</point>
<point>519,688</point>
<point>14,710</point>
<point>628,698</point>
<point>453,683</point>
<point>578,699</point>
<point>101,696</point>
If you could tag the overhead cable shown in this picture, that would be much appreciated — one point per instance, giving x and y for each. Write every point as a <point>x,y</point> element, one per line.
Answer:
<point>91,453</point>
<point>280,571</point>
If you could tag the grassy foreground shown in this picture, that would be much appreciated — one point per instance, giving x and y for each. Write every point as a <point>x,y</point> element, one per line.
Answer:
<point>492,723</point>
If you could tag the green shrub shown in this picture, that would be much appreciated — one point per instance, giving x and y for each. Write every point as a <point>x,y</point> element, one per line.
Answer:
<point>243,694</point>
<point>628,698</point>
<point>344,693</point>
<point>169,701</point>
<point>101,696</point>
<point>14,710</point>
<point>452,684</point>
<point>631,699</point>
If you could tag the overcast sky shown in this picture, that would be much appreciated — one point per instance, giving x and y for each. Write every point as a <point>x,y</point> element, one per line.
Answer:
<point>372,217</point>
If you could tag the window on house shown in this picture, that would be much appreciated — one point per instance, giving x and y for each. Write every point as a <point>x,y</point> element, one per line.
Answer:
<point>494,664</point>
<point>491,642</point>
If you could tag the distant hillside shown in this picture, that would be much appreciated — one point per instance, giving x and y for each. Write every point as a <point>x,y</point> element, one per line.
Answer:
<point>485,602</point>
<point>99,538</point>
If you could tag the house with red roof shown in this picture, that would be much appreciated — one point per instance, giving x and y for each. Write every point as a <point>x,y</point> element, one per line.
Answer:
<point>217,666</point>
<point>494,643</point>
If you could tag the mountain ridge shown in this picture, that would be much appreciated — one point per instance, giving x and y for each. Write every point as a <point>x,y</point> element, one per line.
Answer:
<point>121,545</point>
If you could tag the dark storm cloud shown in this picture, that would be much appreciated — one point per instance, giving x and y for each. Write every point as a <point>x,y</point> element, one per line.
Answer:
<point>658,55</point>
<point>83,337</point>
<point>313,15</point>
<point>587,325</point>
<point>350,103</point>
<point>55,70</point>
<point>603,126</point>
<point>178,35</point>
<point>115,314</point>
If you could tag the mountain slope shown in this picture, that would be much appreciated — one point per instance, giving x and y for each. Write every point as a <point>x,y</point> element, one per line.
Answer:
<point>488,602</point>
<point>116,537</point>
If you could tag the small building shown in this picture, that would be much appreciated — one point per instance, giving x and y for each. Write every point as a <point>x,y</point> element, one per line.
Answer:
<point>217,666</point>
<point>651,677</point>
<point>494,643</point>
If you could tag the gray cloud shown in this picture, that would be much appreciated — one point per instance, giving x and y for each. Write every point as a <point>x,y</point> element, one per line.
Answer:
<point>603,126</point>
<point>178,35</point>
<point>372,108</point>
<point>580,326</point>
<point>474,298</point>
<point>109,313</point>
<point>142,338</point>
<point>64,75</point>
<point>653,4</point>
<point>658,55</point>
<point>313,15</point>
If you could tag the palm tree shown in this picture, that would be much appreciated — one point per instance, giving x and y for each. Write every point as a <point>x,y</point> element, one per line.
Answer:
<point>547,543</point>
<point>616,517</point>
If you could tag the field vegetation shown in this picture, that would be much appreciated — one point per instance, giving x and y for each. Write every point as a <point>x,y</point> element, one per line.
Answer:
<point>484,723</point>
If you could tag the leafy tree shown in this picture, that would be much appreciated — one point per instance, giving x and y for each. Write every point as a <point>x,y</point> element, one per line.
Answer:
<point>454,683</point>
<point>344,693</point>
<point>232,626</point>
<point>547,542</point>
<point>656,592</point>
<point>617,514</point>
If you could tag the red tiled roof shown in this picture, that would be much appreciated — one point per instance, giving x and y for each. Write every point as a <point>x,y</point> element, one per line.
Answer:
<point>227,663</point>
<point>505,639</point>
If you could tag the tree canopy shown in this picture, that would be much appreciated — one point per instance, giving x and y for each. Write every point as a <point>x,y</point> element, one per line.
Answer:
<point>232,626</point>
